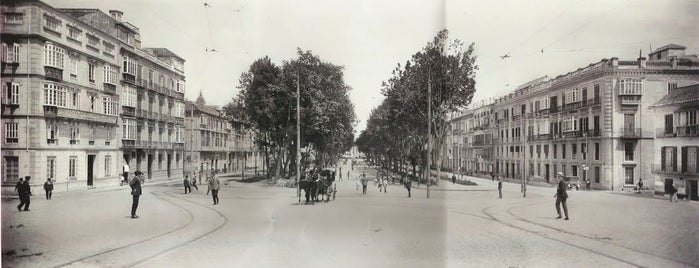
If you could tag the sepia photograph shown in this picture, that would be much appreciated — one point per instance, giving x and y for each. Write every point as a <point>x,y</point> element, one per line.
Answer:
<point>268,133</point>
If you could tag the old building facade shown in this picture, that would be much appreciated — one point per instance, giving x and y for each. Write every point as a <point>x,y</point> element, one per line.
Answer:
<point>79,94</point>
<point>217,143</point>
<point>592,123</point>
<point>676,157</point>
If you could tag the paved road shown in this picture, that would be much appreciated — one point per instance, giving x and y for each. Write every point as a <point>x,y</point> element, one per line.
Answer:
<point>259,226</point>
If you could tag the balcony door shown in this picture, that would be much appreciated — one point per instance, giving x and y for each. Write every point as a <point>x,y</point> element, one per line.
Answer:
<point>629,123</point>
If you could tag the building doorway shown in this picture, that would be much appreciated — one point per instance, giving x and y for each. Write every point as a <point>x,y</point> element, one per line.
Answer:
<point>90,166</point>
<point>169,163</point>
<point>150,166</point>
<point>692,190</point>
<point>546,172</point>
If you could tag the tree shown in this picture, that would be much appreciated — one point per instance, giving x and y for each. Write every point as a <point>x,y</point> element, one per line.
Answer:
<point>447,68</point>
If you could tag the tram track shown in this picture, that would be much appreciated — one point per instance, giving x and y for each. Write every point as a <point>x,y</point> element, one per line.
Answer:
<point>96,258</point>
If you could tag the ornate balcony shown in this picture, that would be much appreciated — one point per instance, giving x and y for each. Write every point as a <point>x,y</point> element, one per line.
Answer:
<point>128,143</point>
<point>109,88</point>
<point>630,99</point>
<point>128,78</point>
<point>53,73</point>
<point>128,111</point>
<point>674,169</point>
<point>630,133</point>
<point>687,131</point>
<point>664,133</point>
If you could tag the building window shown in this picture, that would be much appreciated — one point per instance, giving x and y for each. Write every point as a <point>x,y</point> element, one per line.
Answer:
<point>109,107</point>
<point>52,24</point>
<point>54,95</point>
<point>73,67</point>
<point>11,134</point>
<point>546,151</point>
<point>72,163</point>
<point>110,74</point>
<point>563,151</point>
<point>10,54</point>
<point>75,100</point>
<point>92,40</point>
<point>628,175</point>
<point>583,150</point>
<point>52,134</point>
<point>129,129</point>
<point>91,72</point>
<point>12,93</point>
<point>74,135</point>
<point>555,151</point>
<point>93,99</point>
<point>129,65</point>
<point>14,18</point>
<point>75,34</point>
<point>628,151</point>
<point>596,150</point>
<point>107,165</point>
<point>129,96</point>
<point>668,158</point>
<point>53,55</point>
<point>630,87</point>
<point>11,168</point>
<point>51,167</point>
<point>574,170</point>
<point>574,148</point>
<point>597,174</point>
<point>160,161</point>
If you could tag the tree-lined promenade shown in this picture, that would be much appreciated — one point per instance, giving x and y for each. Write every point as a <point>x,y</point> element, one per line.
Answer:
<point>436,81</point>
<point>267,99</point>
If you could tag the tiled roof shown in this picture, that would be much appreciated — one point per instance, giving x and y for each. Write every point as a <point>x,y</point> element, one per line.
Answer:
<point>670,46</point>
<point>680,95</point>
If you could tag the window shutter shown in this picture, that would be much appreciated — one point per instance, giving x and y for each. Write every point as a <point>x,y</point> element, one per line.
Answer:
<point>674,158</point>
<point>662,158</point>
<point>684,158</point>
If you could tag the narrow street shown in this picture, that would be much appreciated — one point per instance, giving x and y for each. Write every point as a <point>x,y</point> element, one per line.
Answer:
<point>260,226</point>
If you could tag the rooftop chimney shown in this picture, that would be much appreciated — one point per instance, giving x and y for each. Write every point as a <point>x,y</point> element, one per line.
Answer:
<point>116,14</point>
<point>615,62</point>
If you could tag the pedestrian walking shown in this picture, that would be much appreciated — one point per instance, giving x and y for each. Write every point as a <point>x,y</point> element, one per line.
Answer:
<point>588,184</point>
<point>640,185</point>
<point>340,171</point>
<point>561,196</point>
<point>673,193</point>
<point>136,192</point>
<point>194,184</point>
<point>187,188</point>
<point>385,185</point>
<point>408,184</point>
<point>125,173</point>
<point>214,185</point>
<point>500,187</point>
<point>453,179</point>
<point>48,188</point>
<point>24,191</point>
<point>364,181</point>
<point>348,175</point>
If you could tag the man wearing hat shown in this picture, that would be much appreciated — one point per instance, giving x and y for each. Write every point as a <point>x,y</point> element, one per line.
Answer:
<point>135,184</point>
<point>561,196</point>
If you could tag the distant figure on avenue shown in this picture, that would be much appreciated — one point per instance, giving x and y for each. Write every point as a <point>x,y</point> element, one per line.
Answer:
<point>453,179</point>
<point>136,192</point>
<point>48,187</point>
<point>214,186</point>
<point>492,175</point>
<point>24,192</point>
<point>408,184</point>
<point>364,181</point>
<point>385,185</point>
<point>500,187</point>
<point>561,196</point>
<point>194,184</point>
<point>125,172</point>
<point>187,188</point>
<point>588,184</point>
<point>340,171</point>
<point>640,185</point>
<point>673,193</point>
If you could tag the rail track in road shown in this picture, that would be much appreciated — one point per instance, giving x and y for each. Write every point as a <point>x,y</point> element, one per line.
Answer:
<point>95,258</point>
<point>490,216</point>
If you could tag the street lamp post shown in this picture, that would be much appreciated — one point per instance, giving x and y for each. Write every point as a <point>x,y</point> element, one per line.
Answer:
<point>298,137</point>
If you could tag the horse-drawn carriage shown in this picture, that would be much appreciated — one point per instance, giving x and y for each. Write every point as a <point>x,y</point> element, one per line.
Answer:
<point>319,183</point>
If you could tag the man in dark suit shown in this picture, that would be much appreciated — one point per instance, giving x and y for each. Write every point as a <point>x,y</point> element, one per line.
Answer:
<point>561,196</point>
<point>24,192</point>
<point>135,184</point>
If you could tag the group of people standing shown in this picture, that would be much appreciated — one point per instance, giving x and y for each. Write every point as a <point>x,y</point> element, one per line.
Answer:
<point>213,182</point>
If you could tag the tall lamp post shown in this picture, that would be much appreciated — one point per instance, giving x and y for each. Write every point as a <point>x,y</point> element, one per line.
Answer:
<point>298,137</point>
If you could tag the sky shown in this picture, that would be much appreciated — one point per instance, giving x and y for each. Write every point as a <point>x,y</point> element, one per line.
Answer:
<point>370,37</point>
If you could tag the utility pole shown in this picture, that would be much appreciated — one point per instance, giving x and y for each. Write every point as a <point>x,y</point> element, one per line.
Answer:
<point>429,132</point>
<point>298,137</point>
<point>524,150</point>
<point>191,141</point>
